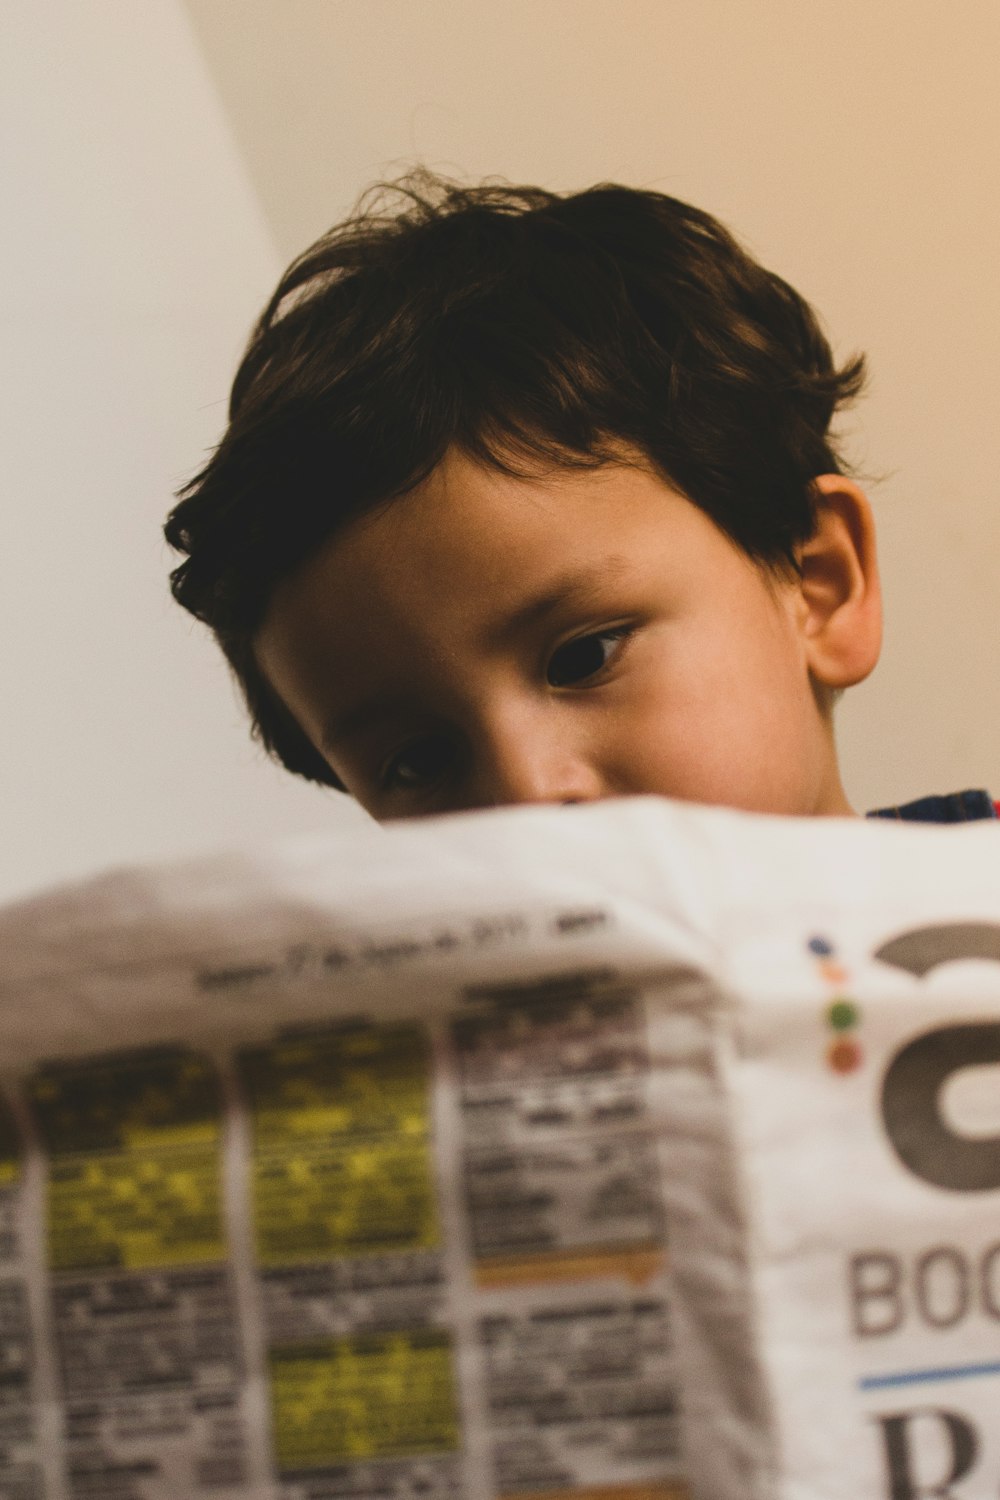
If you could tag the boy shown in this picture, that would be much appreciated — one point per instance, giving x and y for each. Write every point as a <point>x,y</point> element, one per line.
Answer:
<point>529,497</point>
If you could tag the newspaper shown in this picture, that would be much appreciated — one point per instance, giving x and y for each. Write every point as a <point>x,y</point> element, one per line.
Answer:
<point>348,1169</point>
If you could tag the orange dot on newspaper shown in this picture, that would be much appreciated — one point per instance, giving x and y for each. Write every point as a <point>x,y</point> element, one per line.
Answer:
<point>844,1056</point>
<point>834,972</point>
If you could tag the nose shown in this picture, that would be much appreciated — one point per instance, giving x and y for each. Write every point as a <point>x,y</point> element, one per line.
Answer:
<point>525,761</point>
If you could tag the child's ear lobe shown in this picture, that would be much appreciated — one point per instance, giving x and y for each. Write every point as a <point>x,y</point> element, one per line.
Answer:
<point>840,594</point>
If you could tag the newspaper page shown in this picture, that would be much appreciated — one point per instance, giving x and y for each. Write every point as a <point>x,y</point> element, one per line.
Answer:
<point>831,1164</point>
<point>332,1174</point>
<point>349,1169</point>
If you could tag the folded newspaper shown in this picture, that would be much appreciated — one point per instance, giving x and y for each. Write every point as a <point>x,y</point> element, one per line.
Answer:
<point>628,1152</point>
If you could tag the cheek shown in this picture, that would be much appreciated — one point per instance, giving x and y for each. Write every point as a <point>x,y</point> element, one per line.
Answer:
<point>715,725</point>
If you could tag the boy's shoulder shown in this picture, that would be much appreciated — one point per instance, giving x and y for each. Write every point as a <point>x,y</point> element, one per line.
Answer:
<point>956,807</point>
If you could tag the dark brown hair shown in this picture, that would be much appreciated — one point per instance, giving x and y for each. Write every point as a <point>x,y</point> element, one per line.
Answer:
<point>528,328</point>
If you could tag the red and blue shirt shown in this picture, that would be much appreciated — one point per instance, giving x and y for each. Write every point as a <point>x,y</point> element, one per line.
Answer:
<point>957,807</point>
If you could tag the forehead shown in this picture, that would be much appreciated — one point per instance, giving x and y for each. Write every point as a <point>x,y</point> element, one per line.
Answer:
<point>441,576</point>
<point>465,530</point>
<point>474,529</point>
<point>468,521</point>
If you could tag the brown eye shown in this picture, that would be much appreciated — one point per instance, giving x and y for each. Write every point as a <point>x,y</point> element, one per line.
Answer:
<point>419,764</point>
<point>583,658</point>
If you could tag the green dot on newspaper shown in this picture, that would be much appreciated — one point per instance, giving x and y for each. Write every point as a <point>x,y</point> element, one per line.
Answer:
<point>843,1014</point>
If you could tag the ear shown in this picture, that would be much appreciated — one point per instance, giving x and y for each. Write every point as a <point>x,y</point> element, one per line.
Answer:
<point>840,597</point>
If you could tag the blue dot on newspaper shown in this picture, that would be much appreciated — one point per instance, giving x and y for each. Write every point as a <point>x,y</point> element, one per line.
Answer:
<point>821,946</point>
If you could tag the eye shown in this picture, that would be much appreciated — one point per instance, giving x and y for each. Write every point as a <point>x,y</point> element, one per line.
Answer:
<point>587,656</point>
<point>419,764</point>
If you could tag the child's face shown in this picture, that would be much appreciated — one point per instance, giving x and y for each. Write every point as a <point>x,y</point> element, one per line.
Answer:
<point>485,641</point>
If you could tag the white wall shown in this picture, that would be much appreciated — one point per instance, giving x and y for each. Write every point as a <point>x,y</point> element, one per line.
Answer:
<point>132,259</point>
<point>853,144</point>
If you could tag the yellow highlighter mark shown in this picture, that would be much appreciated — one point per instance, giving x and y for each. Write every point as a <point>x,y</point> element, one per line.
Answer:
<point>134,1179</point>
<point>341,1162</point>
<point>371,1396</point>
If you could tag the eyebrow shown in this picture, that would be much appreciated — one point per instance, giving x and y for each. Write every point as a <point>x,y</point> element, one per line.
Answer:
<point>364,716</point>
<point>574,587</point>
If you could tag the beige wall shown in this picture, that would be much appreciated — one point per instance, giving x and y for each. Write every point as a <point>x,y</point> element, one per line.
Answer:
<point>170,155</point>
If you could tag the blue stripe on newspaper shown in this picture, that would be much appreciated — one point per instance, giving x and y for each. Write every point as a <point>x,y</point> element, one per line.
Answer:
<point>925,1377</point>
